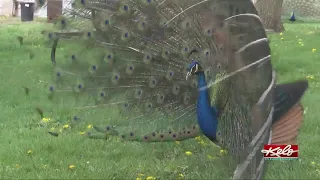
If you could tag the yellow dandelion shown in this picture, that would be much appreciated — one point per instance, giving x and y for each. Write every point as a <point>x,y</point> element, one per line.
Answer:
<point>314,50</point>
<point>60,130</point>
<point>177,142</point>
<point>81,133</point>
<point>150,178</point>
<point>299,40</point>
<point>71,166</point>
<point>181,175</point>
<point>313,163</point>
<point>202,142</point>
<point>45,166</point>
<point>302,44</point>
<point>310,77</point>
<point>89,126</point>
<point>188,153</point>
<point>223,152</point>
<point>66,126</point>
<point>138,178</point>
<point>17,165</point>
<point>45,119</point>
<point>52,129</point>
<point>282,38</point>
<point>29,152</point>
<point>198,138</point>
<point>140,174</point>
<point>209,157</point>
<point>281,34</point>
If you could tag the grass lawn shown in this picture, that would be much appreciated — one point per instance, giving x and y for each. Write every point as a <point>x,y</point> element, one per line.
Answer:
<point>29,152</point>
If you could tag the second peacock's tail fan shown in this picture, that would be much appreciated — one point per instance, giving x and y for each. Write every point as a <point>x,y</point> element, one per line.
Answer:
<point>121,66</point>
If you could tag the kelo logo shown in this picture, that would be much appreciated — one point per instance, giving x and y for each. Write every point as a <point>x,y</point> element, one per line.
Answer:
<point>280,152</point>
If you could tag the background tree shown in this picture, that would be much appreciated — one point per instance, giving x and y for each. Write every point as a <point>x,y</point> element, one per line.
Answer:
<point>270,12</point>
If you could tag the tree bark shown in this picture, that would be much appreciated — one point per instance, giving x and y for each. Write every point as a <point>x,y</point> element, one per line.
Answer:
<point>270,13</point>
<point>15,9</point>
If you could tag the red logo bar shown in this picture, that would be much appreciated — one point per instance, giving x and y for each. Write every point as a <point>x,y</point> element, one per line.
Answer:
<point>280,152</point>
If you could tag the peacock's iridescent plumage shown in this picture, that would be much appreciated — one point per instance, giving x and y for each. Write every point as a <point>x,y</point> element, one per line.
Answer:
<point>207,116</point>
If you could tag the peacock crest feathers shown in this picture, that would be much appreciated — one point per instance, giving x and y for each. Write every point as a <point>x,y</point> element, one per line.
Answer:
<point>123,67</point>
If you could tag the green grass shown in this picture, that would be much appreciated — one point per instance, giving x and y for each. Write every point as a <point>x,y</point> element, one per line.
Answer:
<point>113,159</point>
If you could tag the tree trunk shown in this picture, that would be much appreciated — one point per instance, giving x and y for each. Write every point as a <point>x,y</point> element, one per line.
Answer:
<point>15,10</point>
<point>270,13</point>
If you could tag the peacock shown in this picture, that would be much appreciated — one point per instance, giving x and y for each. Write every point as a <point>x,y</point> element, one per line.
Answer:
<point>292,17</point>
<point>167,70</point>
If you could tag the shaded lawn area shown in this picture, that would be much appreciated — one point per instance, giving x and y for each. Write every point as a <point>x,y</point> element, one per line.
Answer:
<point>50,157</point>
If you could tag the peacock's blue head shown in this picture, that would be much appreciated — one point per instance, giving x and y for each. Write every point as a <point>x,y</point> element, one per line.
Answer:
<point>193,68</point>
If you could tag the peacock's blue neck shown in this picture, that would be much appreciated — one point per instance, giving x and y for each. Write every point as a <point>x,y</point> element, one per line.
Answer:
<point>207,115</point>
